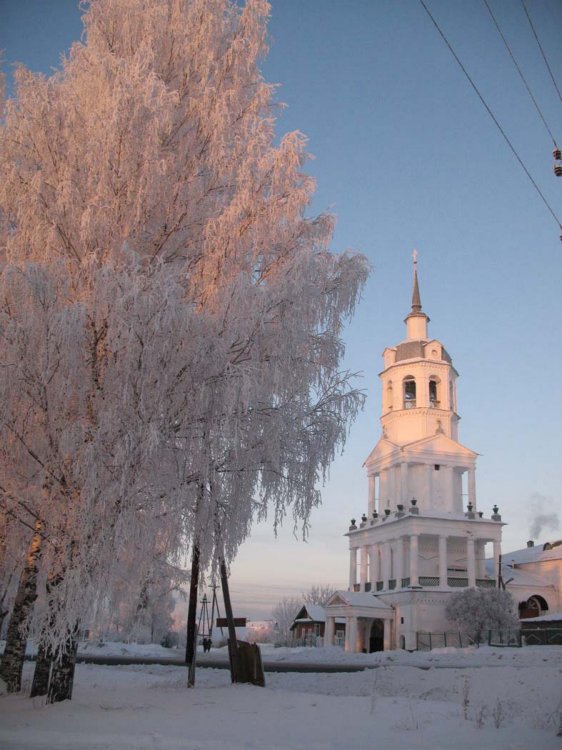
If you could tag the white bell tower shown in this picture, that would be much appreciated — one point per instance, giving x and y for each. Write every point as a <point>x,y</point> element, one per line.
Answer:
<point>422,537</point>
<point>418,455</point>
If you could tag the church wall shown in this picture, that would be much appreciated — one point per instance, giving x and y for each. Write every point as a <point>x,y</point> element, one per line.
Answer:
<point>550,573</point>
<point>418,485</point>
<point>418,611</point>
<point>457,498</point>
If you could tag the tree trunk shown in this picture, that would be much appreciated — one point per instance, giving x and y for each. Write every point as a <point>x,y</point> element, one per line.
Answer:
<point>16,638</point>
<point>40,684</point>
<point>62,674</point>
<point>191,645</point>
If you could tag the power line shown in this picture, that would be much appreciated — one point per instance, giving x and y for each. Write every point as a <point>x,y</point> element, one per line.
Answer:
<point>549,131</point>
<point>541,49</point>
<point>499,127</point>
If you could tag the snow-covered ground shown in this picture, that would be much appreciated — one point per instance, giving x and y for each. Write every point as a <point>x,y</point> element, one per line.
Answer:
<point>495,699</point>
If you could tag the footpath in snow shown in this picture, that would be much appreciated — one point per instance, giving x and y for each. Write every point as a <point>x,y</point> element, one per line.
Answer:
<point>496,699</point>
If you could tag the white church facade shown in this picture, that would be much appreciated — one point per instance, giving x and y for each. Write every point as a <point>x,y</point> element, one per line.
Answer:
<point>422,536</point>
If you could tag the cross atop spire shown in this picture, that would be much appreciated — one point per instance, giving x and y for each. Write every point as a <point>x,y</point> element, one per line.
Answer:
<point>416,299</point>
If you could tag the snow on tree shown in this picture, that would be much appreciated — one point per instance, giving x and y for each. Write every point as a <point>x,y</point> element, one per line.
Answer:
<point>476,611</point>
<point>318,594</point>
<point>284,614</point>
<point>176,358</point>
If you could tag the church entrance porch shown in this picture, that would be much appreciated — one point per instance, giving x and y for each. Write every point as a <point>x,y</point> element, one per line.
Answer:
<point>369,622</point>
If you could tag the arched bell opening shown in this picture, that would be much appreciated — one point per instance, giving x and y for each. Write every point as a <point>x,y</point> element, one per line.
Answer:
<point>409,391</point>
<point>434,392</point>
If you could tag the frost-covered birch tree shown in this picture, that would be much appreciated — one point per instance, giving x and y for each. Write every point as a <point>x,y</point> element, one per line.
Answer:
<point>190,374</point>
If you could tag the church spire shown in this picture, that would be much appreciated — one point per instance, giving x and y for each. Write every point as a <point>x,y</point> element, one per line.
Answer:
<point>416,299</point>
<point>417,320</point>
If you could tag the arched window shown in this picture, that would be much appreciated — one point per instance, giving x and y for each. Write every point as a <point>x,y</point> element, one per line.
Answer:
<point>533,607</point>
<point>434,395</point>
<point>409,392</point>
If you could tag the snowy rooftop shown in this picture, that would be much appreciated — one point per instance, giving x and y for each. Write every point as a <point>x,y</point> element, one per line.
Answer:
<point>518,576</point>
<point>537,553</point>
<point>360,599</point>
<point>550,617</point>
<point>315,613</point>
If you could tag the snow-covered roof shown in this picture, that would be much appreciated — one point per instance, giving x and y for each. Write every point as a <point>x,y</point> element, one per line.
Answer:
<point>550,617</point>
<point>519,576</point>
<point>358,599</point>
<point>538,553</point>
<point>315,612</point>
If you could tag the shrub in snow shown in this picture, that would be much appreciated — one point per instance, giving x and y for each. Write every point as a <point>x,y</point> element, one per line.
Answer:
<point>478,611</point>
<point>170,640</point>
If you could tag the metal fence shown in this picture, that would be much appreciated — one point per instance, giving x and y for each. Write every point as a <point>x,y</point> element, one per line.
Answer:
<point>542,636</point>
<point>429,641</point>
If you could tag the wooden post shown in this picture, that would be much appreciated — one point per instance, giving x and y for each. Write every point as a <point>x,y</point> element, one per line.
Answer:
<point>235,671</point>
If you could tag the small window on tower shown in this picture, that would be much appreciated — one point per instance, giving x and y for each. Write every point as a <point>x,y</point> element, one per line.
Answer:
<point>437,467</point>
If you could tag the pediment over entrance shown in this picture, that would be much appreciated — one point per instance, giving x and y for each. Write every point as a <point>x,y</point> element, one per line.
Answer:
<point>437,446</point>
<point>337,601</point>
<point>383,449</point>
<point>357,604</point>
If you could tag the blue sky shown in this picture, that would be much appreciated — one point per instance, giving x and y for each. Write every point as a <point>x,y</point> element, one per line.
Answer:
<point>406,156</point>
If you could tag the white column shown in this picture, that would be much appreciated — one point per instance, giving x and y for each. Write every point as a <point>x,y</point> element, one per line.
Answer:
<point>480,562</point>
<point>352,567</point>
<point>422,391</point>
<point>429,477</point>
<point>374,566</point>
<point>384,488</point>
<point>414,580</point>
<point>329,631</point>
<point>387,635</point>
<point>390,489</point>
<point>472,488</point>
<point>497,553</point>
<point>399,562</point>
<point>351,634</point>
<point>470,563</point>
<point>443,561</point>
<point>404,483</point>
<point>363,567</point>
<point>385,561</point>
<point>371,494</point>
